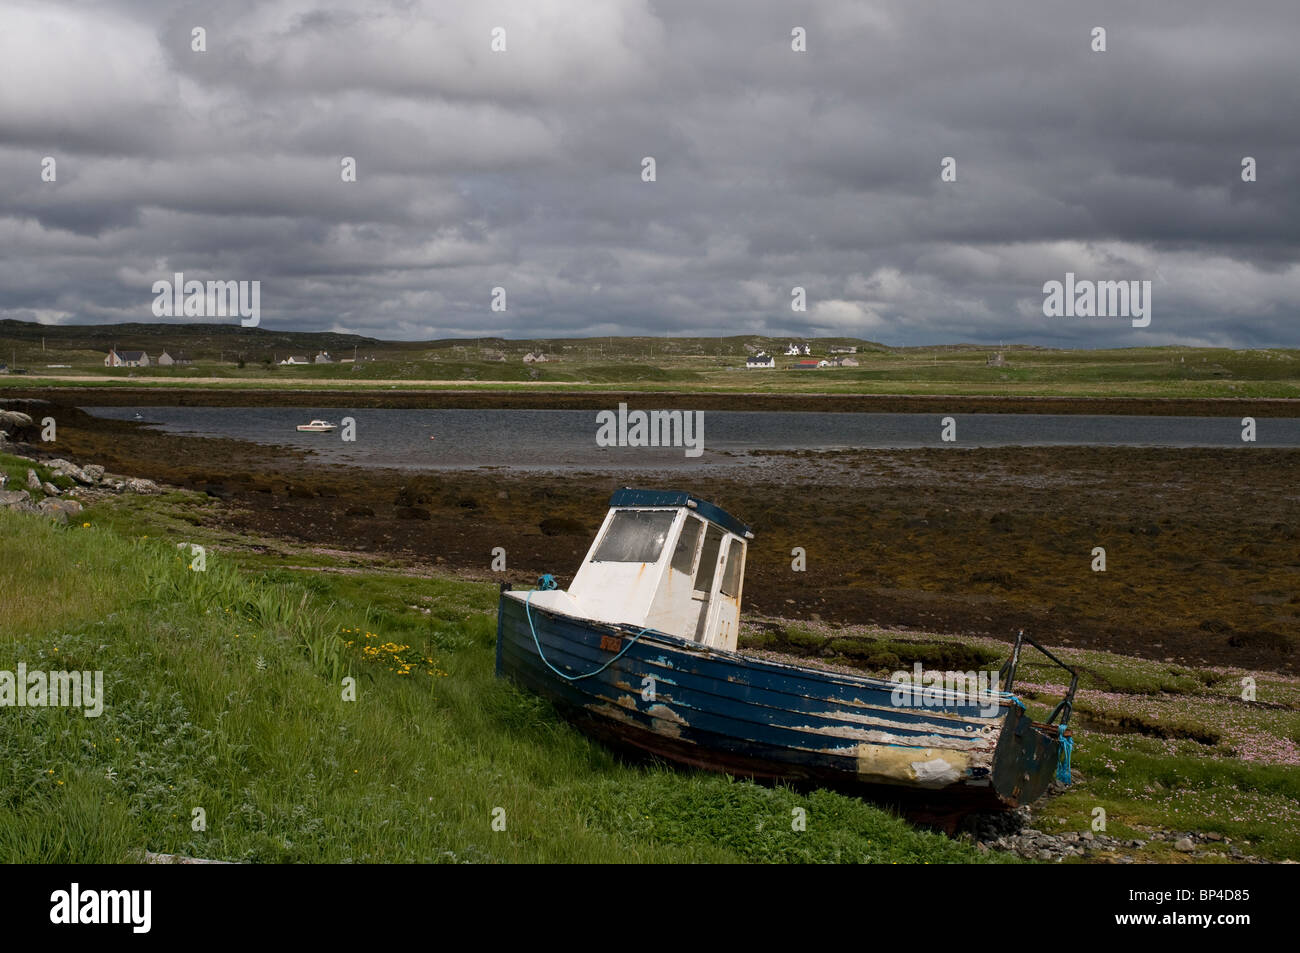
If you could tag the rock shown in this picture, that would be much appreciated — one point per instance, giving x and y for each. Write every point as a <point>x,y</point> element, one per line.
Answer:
<point>33,481</point>
<point>61,467</point>
<point>93,472</point>
<point>12,498</point>
<point>60,510</point>
<point>1214,835</point>
<point>1185,845</point>
<point>50,489</point>
<point>142,486</point>
<point>4,478</point>
<point>410,496</point>
<point>14,424</point>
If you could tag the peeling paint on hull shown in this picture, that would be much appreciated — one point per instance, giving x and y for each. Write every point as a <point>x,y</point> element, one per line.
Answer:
<point>727,712</point>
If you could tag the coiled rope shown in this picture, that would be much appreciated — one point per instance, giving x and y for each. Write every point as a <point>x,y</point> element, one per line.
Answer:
<point>548,582</point>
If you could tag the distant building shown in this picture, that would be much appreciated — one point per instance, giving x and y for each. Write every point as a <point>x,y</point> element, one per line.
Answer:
<point>996,360</point>
<point>166,359</point>
<point>493,356</point>
<point>535,357</point>
<point>118,358</point>
<point>324,358</point>
<point>295,359</point>
<point>760,360</point>
<point>846,362</point>
<point>809,365</point>
<point>842,349</point>
<point>794,350</point>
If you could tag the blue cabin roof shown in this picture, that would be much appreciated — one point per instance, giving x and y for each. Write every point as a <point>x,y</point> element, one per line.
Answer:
<point>711,512</point>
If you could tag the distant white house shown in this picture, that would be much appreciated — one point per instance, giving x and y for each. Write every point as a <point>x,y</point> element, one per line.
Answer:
<point>168,360</point>
<point>295,359</point>
<point>324,358</point>
<point>535,357</point>
<point>760,360</point>
<point>118,358</point>
<point>843,349</point>
<point>796,349</point>
<point>846,362</point>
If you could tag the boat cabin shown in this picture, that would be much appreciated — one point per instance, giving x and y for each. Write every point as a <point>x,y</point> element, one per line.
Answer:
<point>667,561</point>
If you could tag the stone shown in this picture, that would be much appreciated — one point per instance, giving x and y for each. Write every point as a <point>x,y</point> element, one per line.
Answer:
<point>50,489</point>
<point>1185,845</point>
<point>11,421</point>
<point>61,467</point>
<point>33,481</point>
<point>60,510</point>
<point>14,497</point>
<point>142,486</point>
<point>93,472</point>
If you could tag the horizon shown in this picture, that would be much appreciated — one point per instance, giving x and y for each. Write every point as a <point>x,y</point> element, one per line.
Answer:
<point>487,339</point>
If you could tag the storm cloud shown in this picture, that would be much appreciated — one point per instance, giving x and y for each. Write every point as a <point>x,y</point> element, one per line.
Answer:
<point>775,168</point>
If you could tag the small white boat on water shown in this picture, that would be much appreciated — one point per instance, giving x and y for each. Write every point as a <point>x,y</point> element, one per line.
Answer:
<point>317,426</point>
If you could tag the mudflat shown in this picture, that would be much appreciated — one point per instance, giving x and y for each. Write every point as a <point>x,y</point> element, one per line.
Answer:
<point>1202,546</point>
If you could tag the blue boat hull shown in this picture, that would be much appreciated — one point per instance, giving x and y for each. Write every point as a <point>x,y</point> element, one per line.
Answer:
<point>748,717</point>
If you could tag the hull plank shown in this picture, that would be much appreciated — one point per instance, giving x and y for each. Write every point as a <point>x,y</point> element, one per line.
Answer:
<point>722,711</point>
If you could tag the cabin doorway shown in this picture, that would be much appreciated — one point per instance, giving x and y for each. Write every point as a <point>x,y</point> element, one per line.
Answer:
<point>710,555</point>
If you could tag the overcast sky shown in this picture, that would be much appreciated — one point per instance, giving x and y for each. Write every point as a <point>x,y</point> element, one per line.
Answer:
<point>775,168</point>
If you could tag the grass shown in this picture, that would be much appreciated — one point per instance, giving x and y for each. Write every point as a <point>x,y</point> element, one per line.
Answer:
<point>682,365</point>
<point>225,693</point>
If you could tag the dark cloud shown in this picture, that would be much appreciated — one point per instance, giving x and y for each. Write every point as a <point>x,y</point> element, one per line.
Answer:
<point>523,169</point>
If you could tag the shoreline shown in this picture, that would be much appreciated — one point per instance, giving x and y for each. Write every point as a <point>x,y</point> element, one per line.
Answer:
<point>1201,543</point>
<point>371,397</point>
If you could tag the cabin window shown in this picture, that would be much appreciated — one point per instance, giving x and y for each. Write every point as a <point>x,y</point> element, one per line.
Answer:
<point>635,536</point>
<point>684,555</point>
<point>708,560</point>
<point>734,570</point>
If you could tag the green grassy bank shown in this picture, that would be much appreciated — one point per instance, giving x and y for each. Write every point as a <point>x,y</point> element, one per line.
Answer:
<point>224,691</point>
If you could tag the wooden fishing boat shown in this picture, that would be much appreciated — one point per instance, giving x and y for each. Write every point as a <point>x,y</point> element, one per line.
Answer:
<point>640,652</point>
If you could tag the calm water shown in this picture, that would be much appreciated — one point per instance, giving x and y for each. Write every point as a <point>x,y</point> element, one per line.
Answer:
<point>547,439</point>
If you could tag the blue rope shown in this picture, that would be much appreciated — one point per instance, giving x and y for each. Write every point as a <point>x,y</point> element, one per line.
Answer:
<point>528,610</point>
<point>1063,763</point>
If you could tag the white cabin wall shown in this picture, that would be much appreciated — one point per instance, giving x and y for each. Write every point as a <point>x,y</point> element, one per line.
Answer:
<point>654,594</point>
<point>622,592</point>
